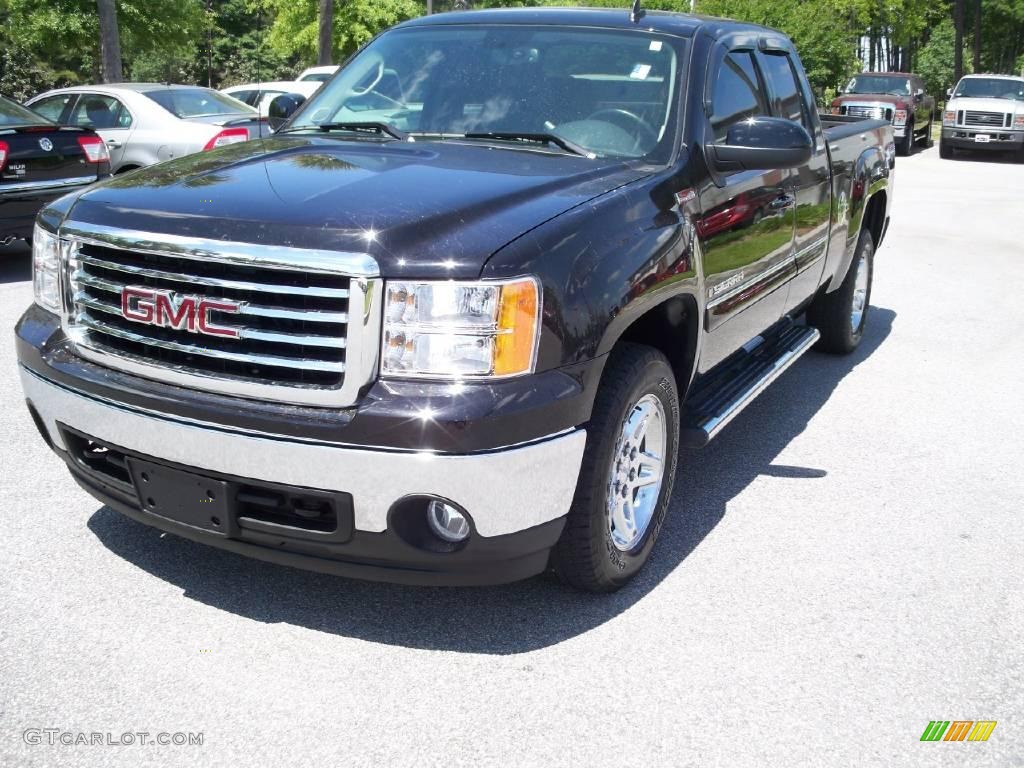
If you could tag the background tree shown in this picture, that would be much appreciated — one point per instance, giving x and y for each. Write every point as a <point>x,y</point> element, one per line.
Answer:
<point>110,41</point>
<point>325,45</point>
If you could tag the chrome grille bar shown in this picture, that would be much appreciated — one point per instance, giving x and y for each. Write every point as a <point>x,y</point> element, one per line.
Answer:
<point>215,282</point>
<point>260,310</point>
<point>194,349</point>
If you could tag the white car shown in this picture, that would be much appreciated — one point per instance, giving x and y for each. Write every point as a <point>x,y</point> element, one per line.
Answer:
<point>318,74</point>
<point>984,112</point>
<point>260,95</point>
<point>146,123</point>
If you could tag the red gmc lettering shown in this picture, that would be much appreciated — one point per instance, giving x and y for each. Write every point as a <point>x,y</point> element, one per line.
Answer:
<point>182,313</point>
<point>180,318</point>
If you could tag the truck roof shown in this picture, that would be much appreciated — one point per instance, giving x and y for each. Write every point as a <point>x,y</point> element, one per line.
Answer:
<point>666,22</point>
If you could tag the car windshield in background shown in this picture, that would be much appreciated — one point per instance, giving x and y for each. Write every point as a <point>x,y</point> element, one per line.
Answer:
<point>898,86</point>
<point>318,77</point>
<point>991,88</point>
<point>13,115</point>
<point>610,93</point>
<point>197,102</point>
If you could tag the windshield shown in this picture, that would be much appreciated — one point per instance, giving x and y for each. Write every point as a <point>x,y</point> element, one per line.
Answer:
<point>991,88</point>
<point>197,102</point>
<point>609,92</point>
<point>896,85</point>
<point>13,114</point>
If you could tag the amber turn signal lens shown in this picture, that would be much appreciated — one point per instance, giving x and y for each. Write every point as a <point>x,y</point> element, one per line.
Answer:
<point>518,320</point>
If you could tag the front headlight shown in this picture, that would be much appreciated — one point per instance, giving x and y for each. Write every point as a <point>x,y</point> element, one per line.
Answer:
<point>1018,122</point>
<point>455,330</point>
<point>949,118</point>
<point>46,269</point>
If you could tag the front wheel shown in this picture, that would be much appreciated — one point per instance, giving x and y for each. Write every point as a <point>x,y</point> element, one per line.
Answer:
<point>627,474</point>
<point>945,151</point>
<point>906,145</point>
<point>840,316</point>
<point>926,140</point>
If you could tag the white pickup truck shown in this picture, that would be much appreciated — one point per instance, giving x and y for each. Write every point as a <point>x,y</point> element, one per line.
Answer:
<point>984,112</point>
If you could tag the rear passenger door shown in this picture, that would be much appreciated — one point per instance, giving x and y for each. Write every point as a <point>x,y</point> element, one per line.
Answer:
<point>810,185</point>
<point>109,118</point>
<point>746,221</point>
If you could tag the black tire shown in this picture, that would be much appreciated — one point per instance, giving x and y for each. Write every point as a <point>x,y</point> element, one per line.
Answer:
<point>927,142</point>
<point>831,313</point>
<point>586,556</point>
<point>945,151</point>
<point>906,145</point>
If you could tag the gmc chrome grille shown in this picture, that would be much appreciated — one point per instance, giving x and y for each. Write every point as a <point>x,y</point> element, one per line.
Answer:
<point>280,324</point>
<point>985,119</point>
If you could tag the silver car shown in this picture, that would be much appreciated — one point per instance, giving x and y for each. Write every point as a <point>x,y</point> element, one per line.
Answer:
<point>146,123</point>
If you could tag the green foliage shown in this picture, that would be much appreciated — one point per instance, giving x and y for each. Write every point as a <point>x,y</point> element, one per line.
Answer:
<point>935,61</point>
<point>825,32</point>
<point>294,29</point>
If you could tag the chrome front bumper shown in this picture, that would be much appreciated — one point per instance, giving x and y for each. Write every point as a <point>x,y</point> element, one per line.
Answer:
<point>505,491</point>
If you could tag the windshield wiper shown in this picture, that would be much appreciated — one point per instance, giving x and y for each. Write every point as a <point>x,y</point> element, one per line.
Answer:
<point>544,138</point>
<point>379,128</point>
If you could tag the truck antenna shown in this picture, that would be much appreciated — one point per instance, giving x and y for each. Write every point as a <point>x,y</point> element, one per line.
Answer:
<point>637,13</point>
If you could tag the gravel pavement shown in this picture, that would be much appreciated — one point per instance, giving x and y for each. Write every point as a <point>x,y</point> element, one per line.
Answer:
<point>842,565</point>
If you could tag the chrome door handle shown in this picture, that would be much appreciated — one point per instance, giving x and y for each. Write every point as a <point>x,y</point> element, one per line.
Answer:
<point>113,143</point>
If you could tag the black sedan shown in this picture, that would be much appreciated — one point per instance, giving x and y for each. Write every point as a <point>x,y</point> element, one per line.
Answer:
<point>39,162</point>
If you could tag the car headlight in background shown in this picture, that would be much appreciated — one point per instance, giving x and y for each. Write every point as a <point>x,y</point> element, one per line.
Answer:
<point>900,117</point>
<point>457,330</point>
<point>46,269</point>
<point>949,118</point>
<point>1018,122</point>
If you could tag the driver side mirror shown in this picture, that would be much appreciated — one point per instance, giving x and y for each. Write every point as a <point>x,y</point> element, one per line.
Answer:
<point>762,144</point>
<point>283,107</point>
<point>949,93</point>
<point>919,94</point>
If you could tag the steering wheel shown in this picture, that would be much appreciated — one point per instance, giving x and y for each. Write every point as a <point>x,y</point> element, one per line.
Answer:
<point>632,122</point>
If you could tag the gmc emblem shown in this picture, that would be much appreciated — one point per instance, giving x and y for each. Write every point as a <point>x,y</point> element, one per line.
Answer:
<point>168,309</point>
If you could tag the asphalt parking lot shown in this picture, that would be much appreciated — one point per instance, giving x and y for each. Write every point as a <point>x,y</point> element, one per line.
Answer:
<point>844,564</point>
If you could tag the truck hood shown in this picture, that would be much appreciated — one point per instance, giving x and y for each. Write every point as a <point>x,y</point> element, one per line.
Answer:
<point>421,209</point>
<point>976,104</point>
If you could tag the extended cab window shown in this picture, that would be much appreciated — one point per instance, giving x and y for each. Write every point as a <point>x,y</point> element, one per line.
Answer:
<point>780,75</point>
<point>737,94</point>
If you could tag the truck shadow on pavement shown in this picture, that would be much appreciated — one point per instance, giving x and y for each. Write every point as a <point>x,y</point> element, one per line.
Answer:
<point>515,618</point>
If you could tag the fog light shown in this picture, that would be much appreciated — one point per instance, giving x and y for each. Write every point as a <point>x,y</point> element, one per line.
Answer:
<point>447,522</point>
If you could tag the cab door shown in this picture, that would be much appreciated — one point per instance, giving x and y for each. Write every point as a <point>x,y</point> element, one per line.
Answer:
<point>746,223</point>
<point>810,184</point>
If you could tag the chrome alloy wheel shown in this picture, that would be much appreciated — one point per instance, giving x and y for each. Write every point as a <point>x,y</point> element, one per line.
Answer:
<point>638,467</point>
<point>860,294</point>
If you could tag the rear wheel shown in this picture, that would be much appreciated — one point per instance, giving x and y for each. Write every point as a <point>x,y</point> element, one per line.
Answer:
<point>627,474</point>
<point>840,316</point>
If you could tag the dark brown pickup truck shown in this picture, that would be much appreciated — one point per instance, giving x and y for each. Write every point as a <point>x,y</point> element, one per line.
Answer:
<point>898,97</point>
